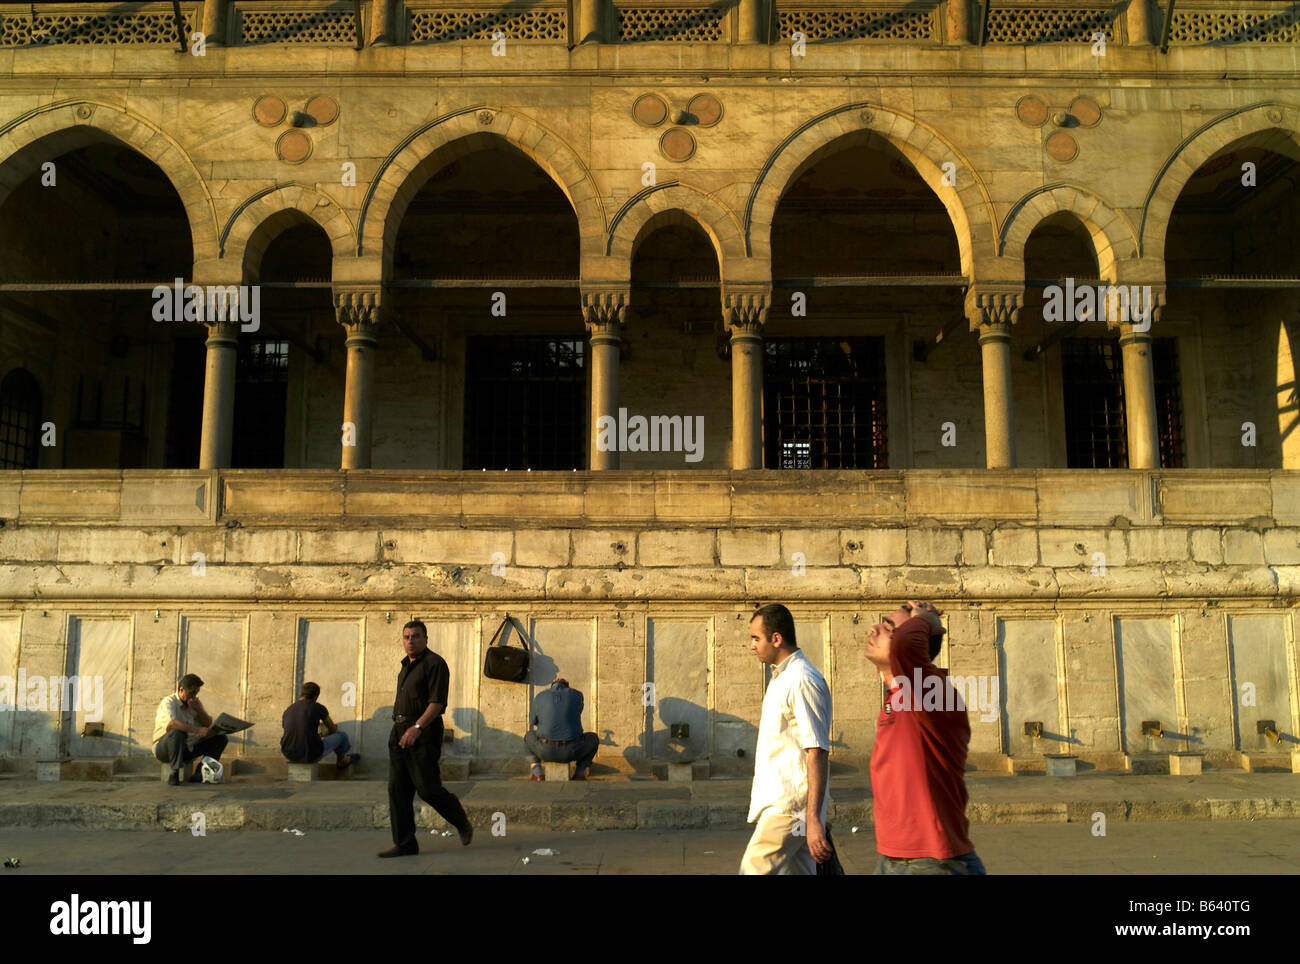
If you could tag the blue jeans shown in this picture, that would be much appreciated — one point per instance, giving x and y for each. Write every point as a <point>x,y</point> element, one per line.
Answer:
<point>967,865</point>
<point>336,742</point>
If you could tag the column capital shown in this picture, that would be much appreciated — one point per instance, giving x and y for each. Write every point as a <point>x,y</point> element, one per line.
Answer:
<point>993,308</point>
<point>744,308</point>
<point>359,309</point>
<point>604,310</point>
<point>1134,309</point>
<point>222,332</point>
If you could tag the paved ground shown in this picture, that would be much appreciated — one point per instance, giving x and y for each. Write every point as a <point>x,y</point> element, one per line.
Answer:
<point>1189,847</point>
<point>627,804</point>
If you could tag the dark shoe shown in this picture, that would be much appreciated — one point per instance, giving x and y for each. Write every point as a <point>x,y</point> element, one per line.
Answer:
<point>351,759</point>
<point>175,779</point>
<point>197,775</point>
<point>466,835</point>
<point>399,852</point>
<point>579,775</point>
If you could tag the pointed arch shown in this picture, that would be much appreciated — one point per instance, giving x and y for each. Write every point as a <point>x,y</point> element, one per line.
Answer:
<point>427,149</point>
<point>45,132</point>
<point>1269,124</point>
<point>261,217</point>
<point>968,203</point>
<point>717,221</point>
<point>1112,234</point>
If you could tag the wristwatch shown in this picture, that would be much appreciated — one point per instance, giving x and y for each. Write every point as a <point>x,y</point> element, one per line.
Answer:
<point>416,725</point>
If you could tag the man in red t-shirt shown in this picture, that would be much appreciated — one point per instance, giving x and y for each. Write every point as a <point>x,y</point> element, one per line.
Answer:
<point>918,766</point>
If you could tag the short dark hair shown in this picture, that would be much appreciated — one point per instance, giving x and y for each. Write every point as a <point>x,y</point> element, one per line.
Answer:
<point>309,690</point>
<point>189,682</point>
<point>776,619</point>
<point>417,624</point>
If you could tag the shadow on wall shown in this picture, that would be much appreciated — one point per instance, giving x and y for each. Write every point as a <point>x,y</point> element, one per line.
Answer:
<point>29,735</point>
<point>663,739</point>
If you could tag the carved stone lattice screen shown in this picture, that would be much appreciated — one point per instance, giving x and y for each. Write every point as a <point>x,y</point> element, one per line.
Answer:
<point>297,27</point>
<point>679,24</point>
<point>856,23</point>
<point>1268,24</point>
<point>1041,24</point>
<point>153,27</point>
<point>444,24</point>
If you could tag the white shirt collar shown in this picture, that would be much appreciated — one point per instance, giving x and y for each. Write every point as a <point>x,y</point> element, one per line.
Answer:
<point>782,666</point>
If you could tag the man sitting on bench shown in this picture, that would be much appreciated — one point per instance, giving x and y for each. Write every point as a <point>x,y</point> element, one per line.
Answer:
<point>180,716</point>
<point>302,743</point>
<point>557,714</point>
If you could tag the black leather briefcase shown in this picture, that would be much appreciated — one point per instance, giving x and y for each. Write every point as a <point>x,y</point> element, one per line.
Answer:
<point>506,662</point>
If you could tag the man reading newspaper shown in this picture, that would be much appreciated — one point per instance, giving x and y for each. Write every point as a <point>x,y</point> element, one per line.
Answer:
<point>183,730</point>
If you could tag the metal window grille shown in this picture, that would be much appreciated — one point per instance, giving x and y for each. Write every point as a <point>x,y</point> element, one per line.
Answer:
<point>1096,433</point>
<point>1096,429</point>
<point>525,402</point>
<point>824,403</point>
<point>261,394</point>
<point>20,420</point>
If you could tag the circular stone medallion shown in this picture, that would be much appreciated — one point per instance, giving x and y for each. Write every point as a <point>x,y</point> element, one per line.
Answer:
<point>649,110</point>
<point>1032,111</point>
<point>1086,111</point>
<point>1062,147</point>
<point>323,109</point>
<point>293,147</point>
<point>677,145</point>
<point>706,108</point>
<point>268,110</point>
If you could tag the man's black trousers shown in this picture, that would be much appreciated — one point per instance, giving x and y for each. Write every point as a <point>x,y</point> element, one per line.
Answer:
<point>415,771</point>
<point>173,748</point>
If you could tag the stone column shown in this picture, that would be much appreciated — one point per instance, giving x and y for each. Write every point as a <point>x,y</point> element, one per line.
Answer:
<point>604,313</point>
<point>358,311</point>
<point>1140,393</point>
<point>590,26</point>
<point>218,429</point>
<point>753,21</point>
<point>1139,23</point>
<point>991,315</point>
<point>958,21</point>
<point>213,22</point>
<point>381,23</point>
<point>744,314</point>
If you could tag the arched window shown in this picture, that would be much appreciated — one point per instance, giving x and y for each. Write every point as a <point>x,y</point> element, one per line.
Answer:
<point>20,420</point>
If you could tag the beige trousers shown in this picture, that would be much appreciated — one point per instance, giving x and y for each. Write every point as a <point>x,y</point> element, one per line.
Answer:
<point>776,849</point>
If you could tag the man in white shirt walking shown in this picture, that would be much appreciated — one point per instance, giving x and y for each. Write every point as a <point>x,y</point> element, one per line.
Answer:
<point>789,799</point>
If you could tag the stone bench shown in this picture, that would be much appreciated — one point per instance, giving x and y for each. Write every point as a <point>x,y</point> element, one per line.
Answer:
<point>320,770</point>
<point>1185,764</point>
<point>556,772</point>
<point>1060,764</point>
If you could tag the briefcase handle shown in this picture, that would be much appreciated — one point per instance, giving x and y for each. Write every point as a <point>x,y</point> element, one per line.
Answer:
<point>507,621</point>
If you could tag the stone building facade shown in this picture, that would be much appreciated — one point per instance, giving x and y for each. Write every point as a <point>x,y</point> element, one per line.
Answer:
<point>990,303</point>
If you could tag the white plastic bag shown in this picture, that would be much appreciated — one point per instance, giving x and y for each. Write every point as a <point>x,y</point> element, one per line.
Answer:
<point>213,772</point>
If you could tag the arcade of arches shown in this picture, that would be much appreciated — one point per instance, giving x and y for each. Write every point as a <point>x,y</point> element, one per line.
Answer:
<point>860,352</point>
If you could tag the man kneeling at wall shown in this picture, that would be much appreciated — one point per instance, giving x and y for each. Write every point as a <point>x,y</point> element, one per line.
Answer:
<point>302,742</point>
<point>181,717</point>
<point>557,714</point>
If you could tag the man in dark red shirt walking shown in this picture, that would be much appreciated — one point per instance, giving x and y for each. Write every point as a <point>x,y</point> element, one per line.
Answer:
<point>918,765</point>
